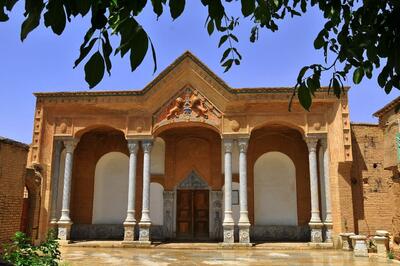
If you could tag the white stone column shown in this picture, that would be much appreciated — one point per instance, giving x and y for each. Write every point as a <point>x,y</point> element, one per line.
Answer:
<point>54,181</point>
<point>64,224</point>
<point>228,223</point>
<point>315,222</point>
<point>328,218</point>
<point>130,221</point>
<point>145,222</point>
<point>244,223</point>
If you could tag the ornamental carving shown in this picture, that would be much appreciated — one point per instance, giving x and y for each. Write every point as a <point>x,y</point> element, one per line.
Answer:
<point>188,105</point>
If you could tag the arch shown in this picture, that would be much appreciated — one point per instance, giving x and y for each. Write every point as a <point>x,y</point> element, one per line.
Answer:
<point>95,127</point>
<point>185,124</point>
<point>279,124</point>
<point>158,157</point>
<point>156,203</point>
<point>275,201</point>
<point>110,189</point>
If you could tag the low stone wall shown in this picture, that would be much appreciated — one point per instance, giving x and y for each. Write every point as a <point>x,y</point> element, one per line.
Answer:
<point>277,233</point>
<point>108,232</point>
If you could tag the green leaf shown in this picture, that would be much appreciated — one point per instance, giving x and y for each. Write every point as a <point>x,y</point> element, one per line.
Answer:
<point>337,89</point>
<point>84,51</point>
<point>157,7</point>
<point>55,16</point>
<point>227,64</point>
<point>94,69</point>
<point>3,15</point>
<point>319,41</point>
<point>210,27</point>
<point>233,37</point>
<point>225,55</point>
<point>29,24</point>
<point>304,96</point>
<point>301,74</point>
<point>107,50</point>
<point>176,7</point>
<point>248,7</point>
<point>139,47</point>
<point>83,6</point>
<point>358,75</point>
<point>222,40</point>
<point>153,52</point>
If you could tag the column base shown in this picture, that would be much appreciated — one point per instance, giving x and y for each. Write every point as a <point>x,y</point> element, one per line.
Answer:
<point>382,244</point>
<point>144,231</point>
<point>64,230</point>
<point>347,243</point>
<point>244,233</point>
<point>129,231</point>
<point>328,232</point>
<point>316,232</point>
<point>228,233</point>
<point>360,246</point>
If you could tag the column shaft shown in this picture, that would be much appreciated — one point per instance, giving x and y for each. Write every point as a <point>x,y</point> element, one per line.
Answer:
<point>145,222</point>
<point>328,218</point>
<point>244,223</point>
<point>64,224</point>
<point>130,221</point>
<point>315,222</point>
<point>228,220</point>
<point>55,180</point>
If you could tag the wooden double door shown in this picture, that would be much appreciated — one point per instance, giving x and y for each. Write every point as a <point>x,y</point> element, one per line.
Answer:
<point>192,216</point>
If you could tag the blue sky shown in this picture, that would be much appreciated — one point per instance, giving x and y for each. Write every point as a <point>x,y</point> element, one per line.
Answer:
<point>44,62</point>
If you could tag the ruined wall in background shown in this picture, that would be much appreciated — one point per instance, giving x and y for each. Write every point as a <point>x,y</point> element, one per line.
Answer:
<point>371,183</point>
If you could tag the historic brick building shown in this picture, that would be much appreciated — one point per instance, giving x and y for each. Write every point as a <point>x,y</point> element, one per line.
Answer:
<point>190,158</point>
<point>12,183</point>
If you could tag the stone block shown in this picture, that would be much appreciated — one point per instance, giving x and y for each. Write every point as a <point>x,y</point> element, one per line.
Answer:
<point>316,232</point>
<point>347,243</point>
<point>360,245</point>
<point>144,232</point>
<point>244,233</point>
<point>229,234</point>
<point>381,239</point>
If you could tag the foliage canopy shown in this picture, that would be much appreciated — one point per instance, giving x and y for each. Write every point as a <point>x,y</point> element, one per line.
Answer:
<point>358,37</point>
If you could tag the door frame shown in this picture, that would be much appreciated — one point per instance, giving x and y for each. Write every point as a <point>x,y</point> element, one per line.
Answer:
<point>193,181</point>
<point>192,193</point>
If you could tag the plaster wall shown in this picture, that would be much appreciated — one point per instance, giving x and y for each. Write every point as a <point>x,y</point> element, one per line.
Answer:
<point>275,190</point>
<point>110,189</point>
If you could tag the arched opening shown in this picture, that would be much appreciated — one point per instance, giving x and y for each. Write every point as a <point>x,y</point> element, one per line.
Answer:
<point>110,189</point>
<point>278,184</point>
<point>275,190</point>
<point>100,167</point>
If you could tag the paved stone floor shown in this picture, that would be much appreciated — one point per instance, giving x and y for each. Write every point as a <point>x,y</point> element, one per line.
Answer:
<point>131,256</point>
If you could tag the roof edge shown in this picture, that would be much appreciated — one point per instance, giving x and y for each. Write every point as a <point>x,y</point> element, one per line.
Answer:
<point>387,107</point>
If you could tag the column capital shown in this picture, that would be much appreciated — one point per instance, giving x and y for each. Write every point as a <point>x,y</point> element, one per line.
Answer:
<point>70,144</point>
<point>228,144</point>
<point>311,143</point>
<point>147,145</point>
<point>133,146</point>
<point>324,141</point>
<point>243,144</point>
<point>58,144</point>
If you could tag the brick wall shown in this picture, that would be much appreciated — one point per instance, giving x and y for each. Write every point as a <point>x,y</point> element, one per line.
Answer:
<point>12,170</point>
<point>371,183</point>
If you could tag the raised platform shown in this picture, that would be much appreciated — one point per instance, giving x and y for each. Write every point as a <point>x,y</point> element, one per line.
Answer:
<point>199,246</point>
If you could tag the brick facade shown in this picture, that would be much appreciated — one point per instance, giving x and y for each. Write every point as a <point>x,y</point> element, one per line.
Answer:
<point>12,181</point>
<point>371,183</point>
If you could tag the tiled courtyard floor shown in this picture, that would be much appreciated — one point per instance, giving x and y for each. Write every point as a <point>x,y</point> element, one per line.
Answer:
<point>131,256</point>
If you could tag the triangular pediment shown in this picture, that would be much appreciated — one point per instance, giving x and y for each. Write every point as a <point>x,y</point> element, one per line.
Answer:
<point>193,181</point>
<point>186,72</point>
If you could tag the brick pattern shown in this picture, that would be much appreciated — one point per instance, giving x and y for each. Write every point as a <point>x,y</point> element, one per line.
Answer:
<point>12,171</point>
<point>371,183</point>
